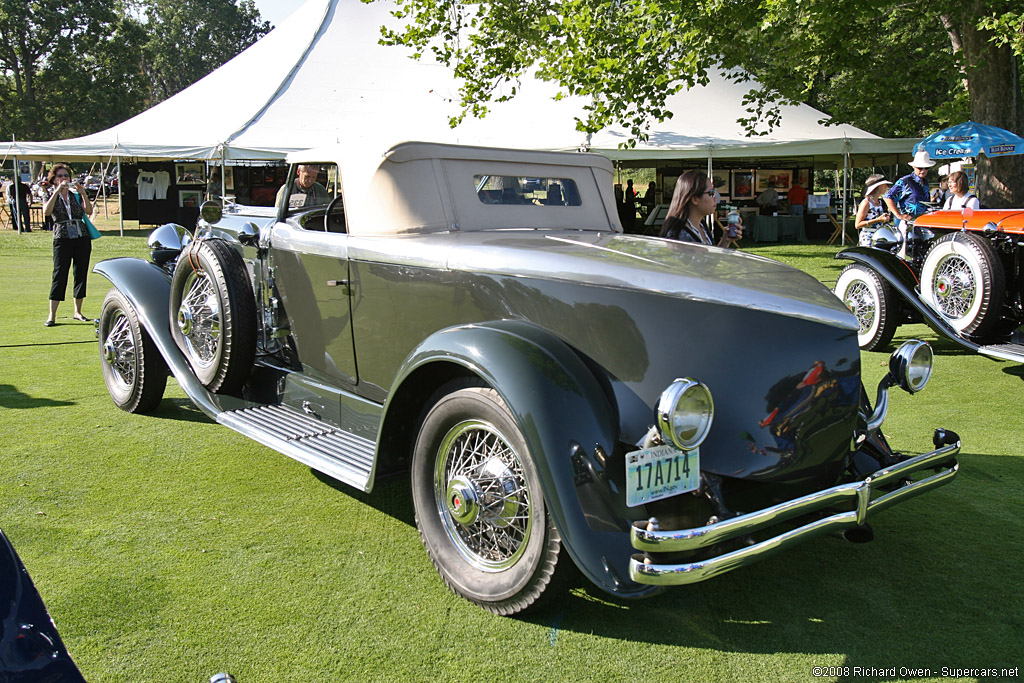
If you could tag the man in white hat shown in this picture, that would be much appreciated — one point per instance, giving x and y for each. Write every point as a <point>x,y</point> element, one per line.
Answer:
<point>908,198</point>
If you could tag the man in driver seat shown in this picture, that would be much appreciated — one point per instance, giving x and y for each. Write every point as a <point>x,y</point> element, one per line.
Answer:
<point>304,190</point>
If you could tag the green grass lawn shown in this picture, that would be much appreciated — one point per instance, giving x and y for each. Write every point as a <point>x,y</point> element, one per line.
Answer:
<point>169,548</point>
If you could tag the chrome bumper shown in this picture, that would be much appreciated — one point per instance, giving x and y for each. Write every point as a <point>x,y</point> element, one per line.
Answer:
<point>855,494</point>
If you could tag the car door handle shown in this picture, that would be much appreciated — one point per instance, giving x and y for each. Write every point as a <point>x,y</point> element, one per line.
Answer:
<point>337,283</point>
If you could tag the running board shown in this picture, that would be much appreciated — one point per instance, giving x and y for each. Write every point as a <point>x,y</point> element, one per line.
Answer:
<point>1013,352</point>
<point>335,452</point>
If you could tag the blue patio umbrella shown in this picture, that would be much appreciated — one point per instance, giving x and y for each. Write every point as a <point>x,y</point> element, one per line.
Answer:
<point>969,139</point>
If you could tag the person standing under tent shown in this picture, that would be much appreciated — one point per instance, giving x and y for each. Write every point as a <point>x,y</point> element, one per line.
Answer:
<point>797,198</point>
<point>19,196</point>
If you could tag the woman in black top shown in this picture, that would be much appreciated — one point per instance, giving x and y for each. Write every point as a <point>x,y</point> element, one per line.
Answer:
<point>694,198</point>
<point>71,242</point>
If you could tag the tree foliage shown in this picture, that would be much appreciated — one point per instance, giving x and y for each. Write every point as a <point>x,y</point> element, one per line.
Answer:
<point>895,68</point>
<point>73,69</point>
<point>66,69</point>
<point>190,38</point>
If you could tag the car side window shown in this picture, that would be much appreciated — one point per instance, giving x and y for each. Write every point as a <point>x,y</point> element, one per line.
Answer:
<point>309,185</point>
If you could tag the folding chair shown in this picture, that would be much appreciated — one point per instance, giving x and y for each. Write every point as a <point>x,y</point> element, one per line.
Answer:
<point>838,232</point>
<point>5,216</point>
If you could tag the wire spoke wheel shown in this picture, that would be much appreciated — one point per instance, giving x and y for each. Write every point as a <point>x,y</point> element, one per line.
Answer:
<point>213,314</point>
<point>964,280</point>
<point>133,370</point>
<point>870,299</point>
<point>954,286</point>
<point>859,300</point>
<point>482,496</point>
<point>119,350</point>
<point>479,506</point>
<point>199,319</point>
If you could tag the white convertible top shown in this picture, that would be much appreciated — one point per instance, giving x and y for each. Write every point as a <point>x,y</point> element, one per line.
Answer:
<point>417,187</point>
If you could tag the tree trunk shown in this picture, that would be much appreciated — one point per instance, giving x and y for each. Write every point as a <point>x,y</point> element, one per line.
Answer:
<point>993,75</point>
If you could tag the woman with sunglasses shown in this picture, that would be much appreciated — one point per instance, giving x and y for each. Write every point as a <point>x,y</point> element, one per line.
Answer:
<point>72,245</point>
<point>693,200</point>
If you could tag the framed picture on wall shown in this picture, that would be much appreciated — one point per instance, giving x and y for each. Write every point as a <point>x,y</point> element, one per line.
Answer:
<point>721,182</point>
<point>189,198</point>
<point>190,174</point>
<point>804,178</point>
<point>229,179</point>
<point>779,179</point>
<point>742,184</point>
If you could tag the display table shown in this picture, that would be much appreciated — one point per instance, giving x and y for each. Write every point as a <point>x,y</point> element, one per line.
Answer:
<point>775,228</point>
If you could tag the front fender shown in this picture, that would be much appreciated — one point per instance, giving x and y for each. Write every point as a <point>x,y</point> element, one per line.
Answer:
<point>568,424</point>
<point>904,281</point>
<point>148,287</point>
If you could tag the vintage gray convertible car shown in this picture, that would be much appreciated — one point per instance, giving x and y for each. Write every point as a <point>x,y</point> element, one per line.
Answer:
<point>477,319</point>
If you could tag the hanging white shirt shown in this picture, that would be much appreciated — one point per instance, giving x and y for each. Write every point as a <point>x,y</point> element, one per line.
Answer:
<point>161,181</point>
<point>146,185</point>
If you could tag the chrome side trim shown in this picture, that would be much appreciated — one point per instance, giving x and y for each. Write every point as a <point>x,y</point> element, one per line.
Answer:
<point>855,494</point>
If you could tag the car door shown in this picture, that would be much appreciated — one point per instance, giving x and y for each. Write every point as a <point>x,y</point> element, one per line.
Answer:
<point>310,269</point>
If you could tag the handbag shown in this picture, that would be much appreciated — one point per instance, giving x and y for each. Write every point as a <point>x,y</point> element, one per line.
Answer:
<point>93,232</point>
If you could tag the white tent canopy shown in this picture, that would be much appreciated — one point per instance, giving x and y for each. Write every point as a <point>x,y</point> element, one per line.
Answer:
<point>322,78</point>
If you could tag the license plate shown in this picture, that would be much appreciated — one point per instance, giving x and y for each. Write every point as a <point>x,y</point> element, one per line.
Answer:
<point>660,472</point>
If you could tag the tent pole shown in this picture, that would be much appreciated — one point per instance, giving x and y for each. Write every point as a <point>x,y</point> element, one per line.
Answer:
<point>120,207</point>
<point>710,220</point>
<point>103,187</point>
<point>846,189</point>
<point>17,179</point>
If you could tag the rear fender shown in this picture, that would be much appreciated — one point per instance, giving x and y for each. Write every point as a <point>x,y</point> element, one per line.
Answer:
<point>567,422</point>
<point>147,287</point>
<point>904,281</point>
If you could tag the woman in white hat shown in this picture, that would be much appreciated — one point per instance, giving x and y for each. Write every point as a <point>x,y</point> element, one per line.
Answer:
<point>872,212</point>
<point>908,198</point>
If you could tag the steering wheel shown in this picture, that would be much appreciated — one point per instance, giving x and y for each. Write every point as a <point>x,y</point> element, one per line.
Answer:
<point>335,222</point>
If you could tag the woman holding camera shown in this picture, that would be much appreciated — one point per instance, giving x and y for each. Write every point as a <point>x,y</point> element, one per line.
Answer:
<point>72,245</point>
<point>695,198</point>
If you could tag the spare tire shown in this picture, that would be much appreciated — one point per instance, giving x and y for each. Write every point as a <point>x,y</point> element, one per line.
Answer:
<point>213,314</point>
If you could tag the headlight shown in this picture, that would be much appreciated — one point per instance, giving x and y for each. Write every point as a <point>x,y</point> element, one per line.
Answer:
<point>887,239</point>
<point>685,411</point>
<point>167,241</point>
<point>911,365</point>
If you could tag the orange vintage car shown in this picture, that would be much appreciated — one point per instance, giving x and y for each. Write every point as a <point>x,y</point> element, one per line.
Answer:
<point>962,273</point>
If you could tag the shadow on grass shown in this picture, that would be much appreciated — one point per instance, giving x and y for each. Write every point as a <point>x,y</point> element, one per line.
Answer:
<point>181,409</point>
<point>11,397</point>
<point>934,563</point>
<point>948,558</point>
<point>391,494</point>
<point>62,343</point>
<point>1015,371</point>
